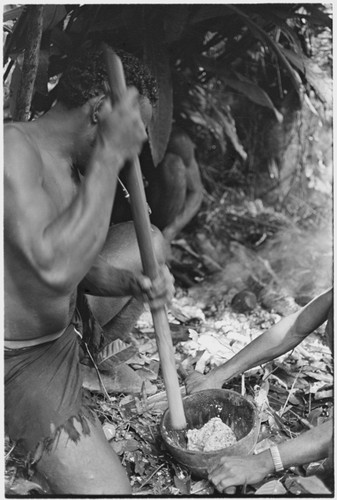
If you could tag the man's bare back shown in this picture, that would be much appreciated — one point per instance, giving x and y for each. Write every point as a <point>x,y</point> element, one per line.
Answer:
<point>32,309</point>
<point>54,229</point>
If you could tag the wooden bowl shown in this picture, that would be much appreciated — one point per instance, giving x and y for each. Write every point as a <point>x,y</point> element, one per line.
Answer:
<point>233,409</point>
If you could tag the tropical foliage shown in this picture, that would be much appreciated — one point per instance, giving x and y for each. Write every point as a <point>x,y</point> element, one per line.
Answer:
<point>208,59</point>
<point>237,77</point>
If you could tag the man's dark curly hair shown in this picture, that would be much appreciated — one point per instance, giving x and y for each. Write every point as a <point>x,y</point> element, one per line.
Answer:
<point>85,77</point>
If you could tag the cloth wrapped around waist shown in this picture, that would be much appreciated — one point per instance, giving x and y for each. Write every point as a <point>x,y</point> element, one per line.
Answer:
<point>43,391</point>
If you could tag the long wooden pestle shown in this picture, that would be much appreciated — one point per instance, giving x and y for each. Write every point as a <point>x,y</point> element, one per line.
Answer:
<point>143,231</point>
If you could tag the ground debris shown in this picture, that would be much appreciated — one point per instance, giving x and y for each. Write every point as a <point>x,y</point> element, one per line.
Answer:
<point>298,396</point>
<point>213,340</point>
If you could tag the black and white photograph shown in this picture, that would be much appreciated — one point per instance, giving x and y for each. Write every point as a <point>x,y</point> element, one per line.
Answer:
<point>168,259</point>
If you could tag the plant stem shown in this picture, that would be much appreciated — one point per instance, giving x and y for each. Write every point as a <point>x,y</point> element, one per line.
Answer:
<point>30,63</point>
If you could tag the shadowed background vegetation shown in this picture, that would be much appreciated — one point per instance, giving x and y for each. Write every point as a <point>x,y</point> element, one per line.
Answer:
<point>235,76</point>
<point>251,84</point>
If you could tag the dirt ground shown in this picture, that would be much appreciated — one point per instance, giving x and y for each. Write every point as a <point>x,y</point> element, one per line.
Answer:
<point>206,332</point>
<point>237,247</point>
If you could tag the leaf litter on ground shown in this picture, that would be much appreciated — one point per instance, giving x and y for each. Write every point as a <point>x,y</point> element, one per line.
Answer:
<point>287,390</point>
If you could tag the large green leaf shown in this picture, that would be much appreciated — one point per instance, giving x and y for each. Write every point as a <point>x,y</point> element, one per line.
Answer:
<point>278,19</point>
<point>156,56</point>
<point>241,84</point>
<point>254,93</point>
<point>267,40</point>
<point>41,80</point>
<point>198,117</point>
<point>112,17</point>
<point>317,16</point>
<point>12,14</point>
<point>318,80</point>
<point>215,116</point>
<point>311,485</point>
<point>15,42</point>
<point>207,12</point>
<point>52,15</point>
<point>228,124</point>
<point>61,40</point>
<point>14,88</point>
<point>175,21</point>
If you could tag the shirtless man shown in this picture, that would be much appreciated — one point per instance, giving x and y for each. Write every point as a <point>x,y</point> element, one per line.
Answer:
<point>310,446</point>
<point>174,189</point>
<point>60,179</point>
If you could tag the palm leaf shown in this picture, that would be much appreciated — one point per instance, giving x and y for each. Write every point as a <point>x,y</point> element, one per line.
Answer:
<point>228,124</point>
<point>12,14</point>
<point>279,20</point>
<point>267,40</point>
<point>207,12</point>
<point>316,78</point>
<point>41,80</point>
<point>52,15</point>
<point>175,21</point>
<point>254,92</point>
<point>156,57</point>
<point>14,87</point>
<point>316,16</point>
<point>241,84</point>
<point>111,17</point>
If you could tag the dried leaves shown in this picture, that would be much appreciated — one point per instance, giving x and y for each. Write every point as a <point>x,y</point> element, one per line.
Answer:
<point>284,391</point>
<point>293,393</point>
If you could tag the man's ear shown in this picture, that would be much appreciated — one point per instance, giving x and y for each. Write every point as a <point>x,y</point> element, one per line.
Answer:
<point>97,106</point>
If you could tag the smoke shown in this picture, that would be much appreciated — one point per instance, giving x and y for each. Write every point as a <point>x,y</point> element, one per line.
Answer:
<point>295,265</point>
<point>302,260</point>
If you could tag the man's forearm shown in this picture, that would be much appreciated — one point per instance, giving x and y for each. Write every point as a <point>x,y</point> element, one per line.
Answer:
<point>309,447</point>
<point>192,205</point>
<point>276,341</point>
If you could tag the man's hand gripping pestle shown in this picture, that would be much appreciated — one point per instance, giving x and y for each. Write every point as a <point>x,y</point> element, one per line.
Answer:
<point>143,231</point>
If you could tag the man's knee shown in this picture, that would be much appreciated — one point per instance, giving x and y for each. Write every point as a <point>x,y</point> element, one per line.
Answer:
<point>87,467</point>
<point>121,246</point>
<point>159,245</point>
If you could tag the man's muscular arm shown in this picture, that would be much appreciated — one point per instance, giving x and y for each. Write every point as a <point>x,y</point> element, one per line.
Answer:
<point>106,280</point>
<point>193,201</point>
<point>310,446</point>
<point>182,148</point>
<point>277,340</point>
<point>61,247</point>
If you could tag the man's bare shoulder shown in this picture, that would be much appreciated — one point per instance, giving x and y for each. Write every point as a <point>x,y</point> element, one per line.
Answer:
<point>20,151</point>
<point>182,145</point>
<point>14,132</point>
<point>26,206</point>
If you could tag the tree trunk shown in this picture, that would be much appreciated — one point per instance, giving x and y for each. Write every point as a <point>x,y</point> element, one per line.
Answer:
<point>30,63</point>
